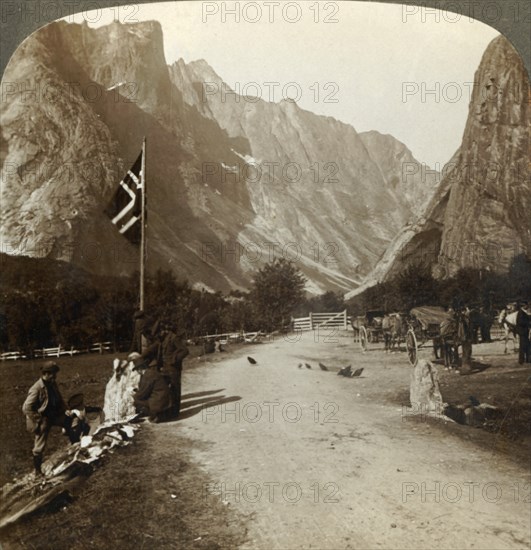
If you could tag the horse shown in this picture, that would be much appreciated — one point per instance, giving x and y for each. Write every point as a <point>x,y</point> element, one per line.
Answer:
<point>394,328</point>
<point>455,332</point>
<point>356,324</point>
<point>507,320</point>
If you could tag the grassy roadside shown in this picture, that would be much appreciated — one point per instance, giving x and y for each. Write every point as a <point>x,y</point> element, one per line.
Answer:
<point>88,374</point>
<point>135,501</point>
<point>503,384</point>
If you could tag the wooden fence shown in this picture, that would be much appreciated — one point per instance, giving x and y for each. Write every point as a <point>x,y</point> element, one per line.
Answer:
<point>322,320</point>
<point>41,353</point>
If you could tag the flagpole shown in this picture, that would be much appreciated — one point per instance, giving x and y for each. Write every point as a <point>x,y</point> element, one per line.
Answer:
<point>143,226</point>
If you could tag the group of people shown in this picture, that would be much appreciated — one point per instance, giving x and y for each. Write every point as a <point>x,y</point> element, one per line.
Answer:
<point>466,321</point>
<point>158,355</point>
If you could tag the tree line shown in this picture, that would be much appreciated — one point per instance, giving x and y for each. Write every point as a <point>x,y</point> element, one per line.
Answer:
<point>48,302</point>
<point>416,286</point>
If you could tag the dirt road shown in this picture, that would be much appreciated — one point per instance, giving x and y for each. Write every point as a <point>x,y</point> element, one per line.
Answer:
<point>314,460</point>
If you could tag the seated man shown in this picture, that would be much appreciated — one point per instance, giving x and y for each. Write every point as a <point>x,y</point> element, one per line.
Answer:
<point>153,395</point>
<point>78,410</point>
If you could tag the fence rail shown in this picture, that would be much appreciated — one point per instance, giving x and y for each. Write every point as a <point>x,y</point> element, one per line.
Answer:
<point>11,356</point>
<point>58,351</point>
<point>338,320</point>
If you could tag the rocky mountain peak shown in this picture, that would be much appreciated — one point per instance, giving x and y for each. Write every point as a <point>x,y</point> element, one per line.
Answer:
<point>479,215</point>
<point>224,173</point>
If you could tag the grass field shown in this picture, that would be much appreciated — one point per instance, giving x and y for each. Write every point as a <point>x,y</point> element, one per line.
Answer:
<point>97,519</point>
<point>88,374</point>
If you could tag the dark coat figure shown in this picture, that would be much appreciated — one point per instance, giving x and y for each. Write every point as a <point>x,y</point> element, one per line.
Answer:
<point>481,320</point>
<point>167,353</point>
<point>486,321</point>
<point>465,337</point>
<point>153,394</point>
<point>173,352</point>
<point>45,407</point>
<point>140,341</point>
<point>522,329</point>
<point>151,355</point>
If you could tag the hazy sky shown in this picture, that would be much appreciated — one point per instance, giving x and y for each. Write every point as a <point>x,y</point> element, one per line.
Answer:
<point>371,65</point>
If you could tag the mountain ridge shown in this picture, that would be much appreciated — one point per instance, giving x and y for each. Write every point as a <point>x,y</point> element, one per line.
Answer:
<point>320,195</point>
<point>477,216</point>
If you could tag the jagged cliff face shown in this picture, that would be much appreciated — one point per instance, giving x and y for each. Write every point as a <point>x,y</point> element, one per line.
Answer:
<point>480,214</point>
<point>411,180</point>
<point>223,175</point>
<point>487,220</point>
<point>342,198</point>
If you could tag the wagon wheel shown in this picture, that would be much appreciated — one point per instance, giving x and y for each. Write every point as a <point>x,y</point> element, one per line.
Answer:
<point>363,338</point>
<point>411,346</point>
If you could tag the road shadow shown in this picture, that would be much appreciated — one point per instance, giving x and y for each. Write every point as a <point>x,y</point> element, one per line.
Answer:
<point>197,407</point>
<point>476,368</point>
<point>201,401</point>
<point>200,394</point>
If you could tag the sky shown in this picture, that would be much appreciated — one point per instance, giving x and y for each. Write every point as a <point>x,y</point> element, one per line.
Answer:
<point>400,70</point>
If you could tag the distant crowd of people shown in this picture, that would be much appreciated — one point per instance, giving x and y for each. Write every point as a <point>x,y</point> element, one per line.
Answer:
<point>515,319</point>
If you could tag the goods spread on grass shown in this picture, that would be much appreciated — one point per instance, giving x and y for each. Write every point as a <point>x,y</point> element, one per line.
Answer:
<point>64,471</point>
<point>68,467</point>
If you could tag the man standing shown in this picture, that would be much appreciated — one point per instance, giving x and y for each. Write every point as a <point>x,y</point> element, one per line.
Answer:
<point>522,329</point>
<point>173,352</point>
<point>140,341</point>
<point>45,407</point>
<point>463,336</point>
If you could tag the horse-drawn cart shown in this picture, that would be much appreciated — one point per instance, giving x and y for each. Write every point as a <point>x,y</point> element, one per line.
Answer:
<point>368,328</point>
<point>424,326</point>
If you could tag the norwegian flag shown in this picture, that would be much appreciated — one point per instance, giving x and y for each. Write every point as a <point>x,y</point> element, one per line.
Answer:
<point>125,209</point>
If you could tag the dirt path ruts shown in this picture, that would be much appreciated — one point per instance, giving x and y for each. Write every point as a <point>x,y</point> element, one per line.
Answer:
<point>314,462</point>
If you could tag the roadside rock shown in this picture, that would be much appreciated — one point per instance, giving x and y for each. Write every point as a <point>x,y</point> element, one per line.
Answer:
<point>424,392</point>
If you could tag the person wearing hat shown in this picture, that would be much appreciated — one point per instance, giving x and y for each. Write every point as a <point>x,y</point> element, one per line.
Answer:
<point>45,407</point>
<point>167,353</point>
<point>140,340</point>
<point>153,395</point>
<point>522,329</point>
<point>173,352</point>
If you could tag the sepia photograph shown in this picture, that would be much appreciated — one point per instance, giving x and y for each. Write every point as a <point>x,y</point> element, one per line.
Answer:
<point>265,275</point>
